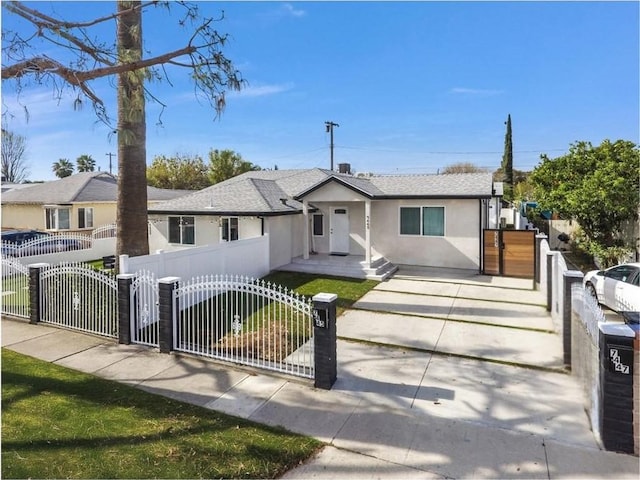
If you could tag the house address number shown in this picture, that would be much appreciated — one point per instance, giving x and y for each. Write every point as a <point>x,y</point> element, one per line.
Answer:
<point>620,360</point>
<point>320,318</point>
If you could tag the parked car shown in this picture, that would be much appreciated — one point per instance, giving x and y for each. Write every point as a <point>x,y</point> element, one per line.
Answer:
<point>22,236</point>
<point>41,246</point>
<point>617,288</point>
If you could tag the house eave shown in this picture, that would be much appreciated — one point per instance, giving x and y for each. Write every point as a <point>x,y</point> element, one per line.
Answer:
<point>430,197</point>
<point>222,213</point>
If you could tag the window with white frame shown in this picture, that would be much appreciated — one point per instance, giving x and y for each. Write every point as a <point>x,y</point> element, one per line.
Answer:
<point>85,217</point>
<point>318,225</point>
<point>57,218</point>
<point>425,221</point>
<point>229,229</point>
<point>182,230</point>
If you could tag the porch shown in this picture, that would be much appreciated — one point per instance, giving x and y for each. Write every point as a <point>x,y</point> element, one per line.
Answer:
<point>354,266</point>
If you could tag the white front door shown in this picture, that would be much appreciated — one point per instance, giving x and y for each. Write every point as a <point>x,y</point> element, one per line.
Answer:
<point>339,231</point>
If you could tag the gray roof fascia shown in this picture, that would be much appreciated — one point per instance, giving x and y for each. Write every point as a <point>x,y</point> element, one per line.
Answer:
<point>221,213</point>
<point>431,197</point>
<point>333,178</point>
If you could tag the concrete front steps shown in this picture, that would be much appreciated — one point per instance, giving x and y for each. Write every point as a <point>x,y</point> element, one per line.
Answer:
<point>353,266</point>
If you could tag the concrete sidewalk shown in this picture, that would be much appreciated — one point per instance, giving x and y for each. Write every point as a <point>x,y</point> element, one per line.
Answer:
<point>434,381</point>
<point>392,413</point>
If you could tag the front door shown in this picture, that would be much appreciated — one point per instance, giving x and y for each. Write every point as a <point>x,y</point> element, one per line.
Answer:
<point>339,231</point>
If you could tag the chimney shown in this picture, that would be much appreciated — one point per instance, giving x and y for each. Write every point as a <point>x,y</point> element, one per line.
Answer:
<point>344,168</point>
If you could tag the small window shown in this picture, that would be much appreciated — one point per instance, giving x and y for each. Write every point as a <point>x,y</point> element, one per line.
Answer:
<point>85,218</point>
<point>57,218</point>
<point>433,221</point>
<point>229,229</point>
<point>425,221</point>
<point>409,220</point>
<point>318,225</point>
<point>182,230</point>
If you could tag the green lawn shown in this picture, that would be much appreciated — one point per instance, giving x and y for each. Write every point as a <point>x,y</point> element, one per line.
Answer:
<point>59,423</point>
<point>349,290</point>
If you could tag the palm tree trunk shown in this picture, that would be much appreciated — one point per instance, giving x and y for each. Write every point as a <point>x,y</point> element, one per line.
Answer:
<point>132,156</point>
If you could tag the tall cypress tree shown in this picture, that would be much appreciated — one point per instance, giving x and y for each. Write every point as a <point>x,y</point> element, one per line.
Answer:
<point>507,161</point>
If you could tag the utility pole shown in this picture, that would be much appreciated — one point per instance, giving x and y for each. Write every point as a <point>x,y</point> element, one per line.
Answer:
<point>330,126</point>
<point>110,155</point>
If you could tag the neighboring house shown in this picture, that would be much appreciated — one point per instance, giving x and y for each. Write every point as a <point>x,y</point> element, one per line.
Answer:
<point>76,203</point>
<point>426,220</point>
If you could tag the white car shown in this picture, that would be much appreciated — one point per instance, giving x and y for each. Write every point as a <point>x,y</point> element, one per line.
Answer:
<point>617,287</point>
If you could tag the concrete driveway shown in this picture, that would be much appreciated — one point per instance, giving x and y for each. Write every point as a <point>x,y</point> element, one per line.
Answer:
<point>458,313</point>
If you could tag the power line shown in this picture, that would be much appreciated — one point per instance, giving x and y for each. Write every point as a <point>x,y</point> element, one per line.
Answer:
<point>448,153</point>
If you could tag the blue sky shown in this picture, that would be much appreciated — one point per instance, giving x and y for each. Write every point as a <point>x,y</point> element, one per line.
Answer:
<point>414,86</point>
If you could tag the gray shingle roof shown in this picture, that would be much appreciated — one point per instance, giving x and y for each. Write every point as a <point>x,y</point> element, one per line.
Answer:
<point>81,187</point>
<point>260,192</point>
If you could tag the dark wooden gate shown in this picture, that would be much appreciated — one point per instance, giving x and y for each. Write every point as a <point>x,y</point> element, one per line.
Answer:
<point>509,252</point>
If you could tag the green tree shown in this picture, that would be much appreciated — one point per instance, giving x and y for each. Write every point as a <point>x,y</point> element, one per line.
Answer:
<point>75,57</point>
<point>179,172</point>
<point>14,166</point>
<point>62,168</point>
<point>507,162</point>
<point>226,164</point>
<point>598,187</point>
<point>462,167</point>
<point>84,163</point>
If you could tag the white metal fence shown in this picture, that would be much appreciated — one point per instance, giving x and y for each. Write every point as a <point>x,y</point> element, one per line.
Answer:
<point>15,288</point>
<point>76,296</point>
<point>145,317</point>
<point>245,321</point>
<point>54,243</point>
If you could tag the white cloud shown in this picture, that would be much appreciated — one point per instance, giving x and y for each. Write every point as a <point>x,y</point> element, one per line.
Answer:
<point>292,11</point>
<point>262,90</point>
<point>475,91</point>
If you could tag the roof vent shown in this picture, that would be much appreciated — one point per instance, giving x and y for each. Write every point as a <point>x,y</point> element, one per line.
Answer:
<point>284,201</point>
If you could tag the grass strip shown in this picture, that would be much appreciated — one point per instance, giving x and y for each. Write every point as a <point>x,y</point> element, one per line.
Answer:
<point>60,423</point>
<point>349,290</point>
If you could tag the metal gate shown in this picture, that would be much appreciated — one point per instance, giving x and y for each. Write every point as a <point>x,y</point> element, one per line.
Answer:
<point>15,288</point>
<point>75,296</point>
<point>509,252</point>
<point>145,315</point>
<point>245,321</point>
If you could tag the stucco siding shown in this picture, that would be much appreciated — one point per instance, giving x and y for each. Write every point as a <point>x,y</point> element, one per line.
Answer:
<point>33,216</point>
<point>282,232</point>
<point>459,248</point>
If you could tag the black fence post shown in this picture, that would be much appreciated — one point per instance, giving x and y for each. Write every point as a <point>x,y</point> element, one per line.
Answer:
<point>549,279</point>
<point>125,312</point>
<point>35,304</point>
<point>325,340</point>
<point>166,287</point>
<point>616,386</point>
<point>569,278</point>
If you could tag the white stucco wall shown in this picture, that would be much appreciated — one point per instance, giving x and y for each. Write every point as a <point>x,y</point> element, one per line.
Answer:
<point>207,231</point>
<point>286,238</point>
<point>459,248</point>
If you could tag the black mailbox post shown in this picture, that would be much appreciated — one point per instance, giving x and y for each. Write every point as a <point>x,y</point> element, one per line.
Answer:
<point>616,387</point>
<point>324,334</point>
